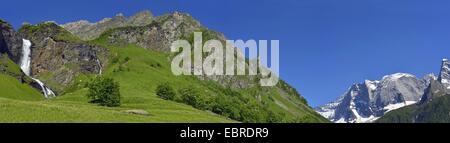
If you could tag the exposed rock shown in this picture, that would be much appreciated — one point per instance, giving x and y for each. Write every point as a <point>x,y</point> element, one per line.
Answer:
<point>444,76</point>
<point>61,55</point>
<point>434,107</point>
<point>159,34</point>
<point>140,19</point>
<point>433,91</point>
<point>138,112</point>
<point>11,45</point>
<point>88,31</point>
<point>366,102</point>
<point>10,42</point>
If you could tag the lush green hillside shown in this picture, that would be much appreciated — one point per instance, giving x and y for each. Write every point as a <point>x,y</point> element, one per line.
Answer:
<point>142,70</point>
<point>21,103</point>
<point>68,64</point>
<point>138,71</point>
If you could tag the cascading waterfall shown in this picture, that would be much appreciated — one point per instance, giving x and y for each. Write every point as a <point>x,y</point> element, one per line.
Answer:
<point>100,67</point>
<point>25,65</point>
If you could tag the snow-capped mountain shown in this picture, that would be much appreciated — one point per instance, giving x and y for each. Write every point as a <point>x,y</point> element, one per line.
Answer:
<point>367,101</point>
<point>444,76</point>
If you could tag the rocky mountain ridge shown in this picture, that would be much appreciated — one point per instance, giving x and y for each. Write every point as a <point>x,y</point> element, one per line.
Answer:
<point>89,31</point>
<point>368,101</point>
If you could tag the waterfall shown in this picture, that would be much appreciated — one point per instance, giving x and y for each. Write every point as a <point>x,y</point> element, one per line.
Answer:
<point>25,65</point>
<point>100,67</point>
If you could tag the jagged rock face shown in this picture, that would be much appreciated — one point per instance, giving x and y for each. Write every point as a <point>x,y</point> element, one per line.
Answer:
<point>370,100</point>
<point>52,56</point>
<point>10,45</point>
<point>166,29</point>
<point>58,59</point>
<point>158,35</point>
<point>444,76</point>
<point>10,42</point>
<point>89,31</point>
<point>140,19</point>
<point>433,91</point>
<point>432,108</point>
<point>399,87</point>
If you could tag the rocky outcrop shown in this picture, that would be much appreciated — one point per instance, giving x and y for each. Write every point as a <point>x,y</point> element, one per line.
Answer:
<point>158,35</point>
<point>138,112</point>
<point>434,107</point>
<point>58,56</point>
<point>10,45</point>
<point>88,31</point>
<point>434,90</point>
<point>444,76</point>
<point>140,19</point>
<point>11,55</point>
<point>10,42</point>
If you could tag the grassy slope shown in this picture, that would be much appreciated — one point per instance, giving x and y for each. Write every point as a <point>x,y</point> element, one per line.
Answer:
<point>138,78</point>
<point>21,103</point>
<point>140,74</point>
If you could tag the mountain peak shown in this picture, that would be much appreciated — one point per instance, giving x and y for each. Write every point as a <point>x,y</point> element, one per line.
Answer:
<point>434,90</point>
<point>143,13</point>
<point>88,31</point>
<point>120,15</point>
<point>397,76</point>
<point>367,101</point>
<point>141,18</point>
<point>444,75</point>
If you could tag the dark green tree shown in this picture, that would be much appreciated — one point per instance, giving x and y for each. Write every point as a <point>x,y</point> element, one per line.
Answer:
<point>104,91</point>
<point>165,91</point>
<point>192,97</point>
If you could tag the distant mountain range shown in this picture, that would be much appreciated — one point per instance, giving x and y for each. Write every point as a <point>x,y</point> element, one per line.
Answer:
<point>371,100</point>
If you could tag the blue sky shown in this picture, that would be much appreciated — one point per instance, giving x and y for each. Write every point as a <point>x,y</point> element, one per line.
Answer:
<point>325,45</point>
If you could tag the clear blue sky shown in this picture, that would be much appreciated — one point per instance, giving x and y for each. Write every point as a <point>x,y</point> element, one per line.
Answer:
<point>326,45</point>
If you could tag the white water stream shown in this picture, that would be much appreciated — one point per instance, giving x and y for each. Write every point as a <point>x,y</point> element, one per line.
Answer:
<point>25,65</point>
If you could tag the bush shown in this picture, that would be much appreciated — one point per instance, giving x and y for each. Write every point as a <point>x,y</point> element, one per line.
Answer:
<point>126,59</point>
<point>191,97</point>
<point>115,60</point>
<point>165,91</point>
<point>227,106</point>
<point>104,91</point>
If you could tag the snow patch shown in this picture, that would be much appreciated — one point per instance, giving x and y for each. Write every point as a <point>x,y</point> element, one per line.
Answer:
<point>359,118</point>
<point>445,81</point>
<point>371,85</point>
<point>395,106</point>
<point>397,76</point>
